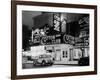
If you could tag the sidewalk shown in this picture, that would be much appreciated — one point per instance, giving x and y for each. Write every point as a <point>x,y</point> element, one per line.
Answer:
<point>66,62</point>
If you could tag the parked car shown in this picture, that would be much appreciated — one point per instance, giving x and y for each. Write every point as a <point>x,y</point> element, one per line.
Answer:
<point>83,61</point>
<point>43,59</point>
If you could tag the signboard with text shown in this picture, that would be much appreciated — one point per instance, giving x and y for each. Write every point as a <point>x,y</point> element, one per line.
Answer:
<point>53,39</point>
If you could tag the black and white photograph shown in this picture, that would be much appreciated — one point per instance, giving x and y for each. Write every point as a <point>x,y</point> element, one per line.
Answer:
<point>54,39</point>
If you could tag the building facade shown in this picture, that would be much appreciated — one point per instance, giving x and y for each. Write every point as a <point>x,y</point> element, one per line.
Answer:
<point>60,38</point>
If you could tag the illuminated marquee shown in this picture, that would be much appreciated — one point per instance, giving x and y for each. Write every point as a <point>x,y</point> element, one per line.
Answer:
<point>53,39</point>
<point>68,39</point>
<point>57,21</point>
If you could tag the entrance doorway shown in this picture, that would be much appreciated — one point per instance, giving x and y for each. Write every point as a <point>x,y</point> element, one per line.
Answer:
<point>58,55</point>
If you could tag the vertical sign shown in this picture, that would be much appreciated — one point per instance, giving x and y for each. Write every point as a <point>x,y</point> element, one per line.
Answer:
<point>57,21</point>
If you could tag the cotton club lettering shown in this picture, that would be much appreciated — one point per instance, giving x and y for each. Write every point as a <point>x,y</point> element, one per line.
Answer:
<point>53,39</point>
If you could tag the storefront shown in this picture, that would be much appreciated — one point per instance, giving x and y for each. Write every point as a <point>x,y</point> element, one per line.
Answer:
<point>65,52</point>
<point>61,52</point>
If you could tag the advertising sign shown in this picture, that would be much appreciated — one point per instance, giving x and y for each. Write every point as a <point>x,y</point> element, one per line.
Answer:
<point>53,39</point>
<point>57,21</point>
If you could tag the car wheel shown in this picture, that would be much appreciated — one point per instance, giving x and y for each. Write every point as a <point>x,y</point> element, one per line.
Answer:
<point>43,63</point>
<point>51,63</point>
<point>34,63</point>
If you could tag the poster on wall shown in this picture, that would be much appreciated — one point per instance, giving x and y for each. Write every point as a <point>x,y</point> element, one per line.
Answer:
<point>53,39</point>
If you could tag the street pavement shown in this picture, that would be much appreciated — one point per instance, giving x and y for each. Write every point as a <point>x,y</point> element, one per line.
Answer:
<point>30,65</point>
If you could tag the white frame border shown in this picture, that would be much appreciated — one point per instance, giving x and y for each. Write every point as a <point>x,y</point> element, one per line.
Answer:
<point>34,71</point>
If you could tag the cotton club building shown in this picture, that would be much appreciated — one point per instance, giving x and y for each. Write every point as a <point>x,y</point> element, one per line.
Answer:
<point>61,45</point>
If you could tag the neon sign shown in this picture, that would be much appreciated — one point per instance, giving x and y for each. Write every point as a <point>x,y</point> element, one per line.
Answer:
<point>45,40</point>
<point>53,39</point>
<point>57,21</point>
<point>68,39</point>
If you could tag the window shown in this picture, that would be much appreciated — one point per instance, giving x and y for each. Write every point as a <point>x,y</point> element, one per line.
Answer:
<point>65,54</point>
